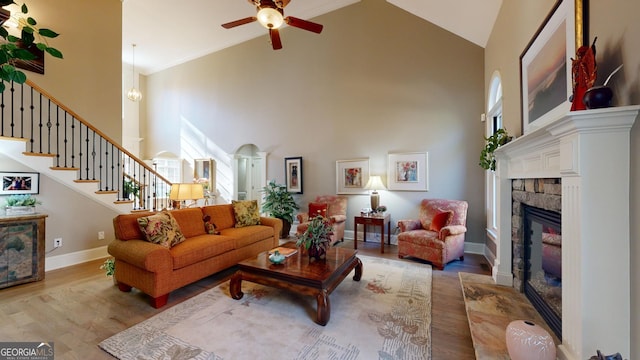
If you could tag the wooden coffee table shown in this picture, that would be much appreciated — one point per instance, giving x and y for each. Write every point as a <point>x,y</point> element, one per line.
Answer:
<point>297,274</point>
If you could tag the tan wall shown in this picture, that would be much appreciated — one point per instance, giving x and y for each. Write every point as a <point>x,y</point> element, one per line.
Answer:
<point>616,26</point>
<point>359,89</point>
<point>88,81</point>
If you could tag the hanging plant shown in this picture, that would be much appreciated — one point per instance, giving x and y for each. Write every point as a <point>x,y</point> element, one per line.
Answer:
<point>487,158</point>
<point>15,48</point>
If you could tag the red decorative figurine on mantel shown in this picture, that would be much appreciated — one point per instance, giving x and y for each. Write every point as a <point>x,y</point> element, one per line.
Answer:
<point>584,71</point>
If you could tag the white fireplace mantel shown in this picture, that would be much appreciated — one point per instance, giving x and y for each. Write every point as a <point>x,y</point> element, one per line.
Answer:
<point>590,151</point>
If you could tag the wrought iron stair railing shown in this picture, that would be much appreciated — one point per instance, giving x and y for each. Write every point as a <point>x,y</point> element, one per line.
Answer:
<point>51,129</point>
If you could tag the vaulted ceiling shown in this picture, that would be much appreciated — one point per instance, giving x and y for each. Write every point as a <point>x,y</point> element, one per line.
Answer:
<point>166,34</point>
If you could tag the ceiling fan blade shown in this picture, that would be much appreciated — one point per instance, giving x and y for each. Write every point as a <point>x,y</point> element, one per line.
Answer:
<point>233,24</point>
<point>303,24</point>
<point>275,39</point>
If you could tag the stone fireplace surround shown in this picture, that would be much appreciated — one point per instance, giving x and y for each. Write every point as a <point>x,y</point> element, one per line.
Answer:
<point>589,151</point>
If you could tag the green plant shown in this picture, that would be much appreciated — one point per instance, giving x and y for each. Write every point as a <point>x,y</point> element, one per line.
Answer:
<point>487,158</point>
<point>317,235</point>
<point>130,187</point>
<point>21,200</point>
<point>109,266</point>
<point>16,47</point>
<point>278,202</point>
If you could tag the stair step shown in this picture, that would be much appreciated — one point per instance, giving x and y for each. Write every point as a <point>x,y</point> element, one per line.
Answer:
<point>64,168</point>
<point>27,153</point>
<point>86,181</point>
<point>107,192</point>
<point>123,202</point>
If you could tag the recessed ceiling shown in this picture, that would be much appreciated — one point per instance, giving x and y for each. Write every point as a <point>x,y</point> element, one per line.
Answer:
<point>166,35</point>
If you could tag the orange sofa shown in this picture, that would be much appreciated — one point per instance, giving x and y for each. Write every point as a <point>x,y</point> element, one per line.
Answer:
<point>157,270</point>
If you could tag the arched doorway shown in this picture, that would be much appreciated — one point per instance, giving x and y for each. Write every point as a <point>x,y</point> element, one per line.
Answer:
<point>249,172</point>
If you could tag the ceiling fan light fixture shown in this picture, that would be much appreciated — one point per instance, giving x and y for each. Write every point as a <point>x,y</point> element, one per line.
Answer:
<point>270,18</point>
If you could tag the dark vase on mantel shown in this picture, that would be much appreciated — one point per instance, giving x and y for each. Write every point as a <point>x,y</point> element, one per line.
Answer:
<point>598,97</point>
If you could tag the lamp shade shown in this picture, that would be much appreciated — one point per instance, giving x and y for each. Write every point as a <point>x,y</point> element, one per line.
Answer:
<point>186,191</point>
<point>375,183</point>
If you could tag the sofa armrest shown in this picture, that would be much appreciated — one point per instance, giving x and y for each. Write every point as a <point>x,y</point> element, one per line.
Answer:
<point>451,230</point>
<point>408,225</point>
<point>143,254</point>
<point>275,223</point>
<point>302,217</point>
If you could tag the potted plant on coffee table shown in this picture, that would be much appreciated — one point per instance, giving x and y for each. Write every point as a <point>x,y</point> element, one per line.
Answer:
<point>279,203</point>
<point>316,238</point>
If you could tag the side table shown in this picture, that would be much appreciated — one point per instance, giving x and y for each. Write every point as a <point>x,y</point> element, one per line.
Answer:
<point>375,220</point>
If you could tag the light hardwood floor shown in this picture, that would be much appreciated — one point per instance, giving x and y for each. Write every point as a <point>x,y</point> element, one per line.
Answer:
<point>77,307</point>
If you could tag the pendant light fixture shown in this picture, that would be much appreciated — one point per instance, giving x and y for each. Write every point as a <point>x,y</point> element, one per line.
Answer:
<point>134,94</point>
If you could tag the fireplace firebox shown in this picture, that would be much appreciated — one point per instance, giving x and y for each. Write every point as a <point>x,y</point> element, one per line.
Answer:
<point>543,264</point>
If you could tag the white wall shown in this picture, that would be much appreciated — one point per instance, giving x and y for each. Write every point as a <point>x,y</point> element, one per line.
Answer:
<point>356,90</point>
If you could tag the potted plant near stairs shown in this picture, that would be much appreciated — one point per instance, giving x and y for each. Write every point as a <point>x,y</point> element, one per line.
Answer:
<point>279,203</point>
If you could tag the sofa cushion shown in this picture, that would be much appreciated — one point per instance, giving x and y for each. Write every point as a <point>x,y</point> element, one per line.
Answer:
<point>162,229</point>
<point>222,215</point>
<point>190,221</point>
<point>421,238</point>
<point>440,220</point>
<point>316,209</point>
<point>246,212</point>
<point>248,235</point>
<point>200,248</point>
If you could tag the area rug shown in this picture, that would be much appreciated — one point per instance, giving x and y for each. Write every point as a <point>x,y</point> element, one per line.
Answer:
<point>385,315</point>
<point>490,309</point>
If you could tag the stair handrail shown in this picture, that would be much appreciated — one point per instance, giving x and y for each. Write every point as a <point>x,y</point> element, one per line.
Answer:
<point>93,128</point>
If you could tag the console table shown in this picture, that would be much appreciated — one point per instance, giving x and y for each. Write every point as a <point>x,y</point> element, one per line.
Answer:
<point>375,220</point>
<point>22,249</point>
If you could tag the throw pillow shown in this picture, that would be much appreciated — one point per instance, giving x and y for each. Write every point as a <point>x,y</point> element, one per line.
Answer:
<point>162,229</point>
<point>246,212</point>
<point>316,209</point>
<point>441,220</point>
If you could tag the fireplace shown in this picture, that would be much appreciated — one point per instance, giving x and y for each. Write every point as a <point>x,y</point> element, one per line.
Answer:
<point>589,153</point>
<point>543,264</point>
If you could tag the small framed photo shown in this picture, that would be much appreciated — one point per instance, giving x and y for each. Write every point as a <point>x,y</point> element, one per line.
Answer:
<point>545,68</point>
<point>408,171</point>
<point>293,174</point>
<point>352,176</point>
<point>17,183</point>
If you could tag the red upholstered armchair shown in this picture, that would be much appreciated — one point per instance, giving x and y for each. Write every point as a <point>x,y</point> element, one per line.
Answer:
<point>333,207</point>
<point>438,235</point>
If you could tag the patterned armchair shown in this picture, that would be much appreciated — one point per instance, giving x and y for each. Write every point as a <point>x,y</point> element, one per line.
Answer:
<point>333,207</point>
<point>438,235</point>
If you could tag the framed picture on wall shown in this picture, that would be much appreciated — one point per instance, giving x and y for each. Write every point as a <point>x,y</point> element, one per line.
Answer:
<point>352,176</point>
<point>545,64</point>
<point>293,174</point>
<point>17,183</point>
<point>408,171</point>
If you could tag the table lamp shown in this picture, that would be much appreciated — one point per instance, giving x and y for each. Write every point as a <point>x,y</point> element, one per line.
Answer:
<point>375,183</point>
<point>186,191</point>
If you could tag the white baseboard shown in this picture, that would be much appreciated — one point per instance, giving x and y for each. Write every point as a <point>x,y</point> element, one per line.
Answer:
<point>79,257</point>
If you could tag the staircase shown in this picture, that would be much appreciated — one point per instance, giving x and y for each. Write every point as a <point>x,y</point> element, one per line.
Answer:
<point>40,132</point>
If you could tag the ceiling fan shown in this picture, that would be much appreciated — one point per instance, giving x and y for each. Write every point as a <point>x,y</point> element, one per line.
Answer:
<point>271,16</point>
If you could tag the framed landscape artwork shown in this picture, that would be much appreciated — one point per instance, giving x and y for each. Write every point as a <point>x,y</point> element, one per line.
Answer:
<point>408,171</point>
<point>352,176</point>
<point>16,183</point>
<point>293,174</point>
<point>545,64</point>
